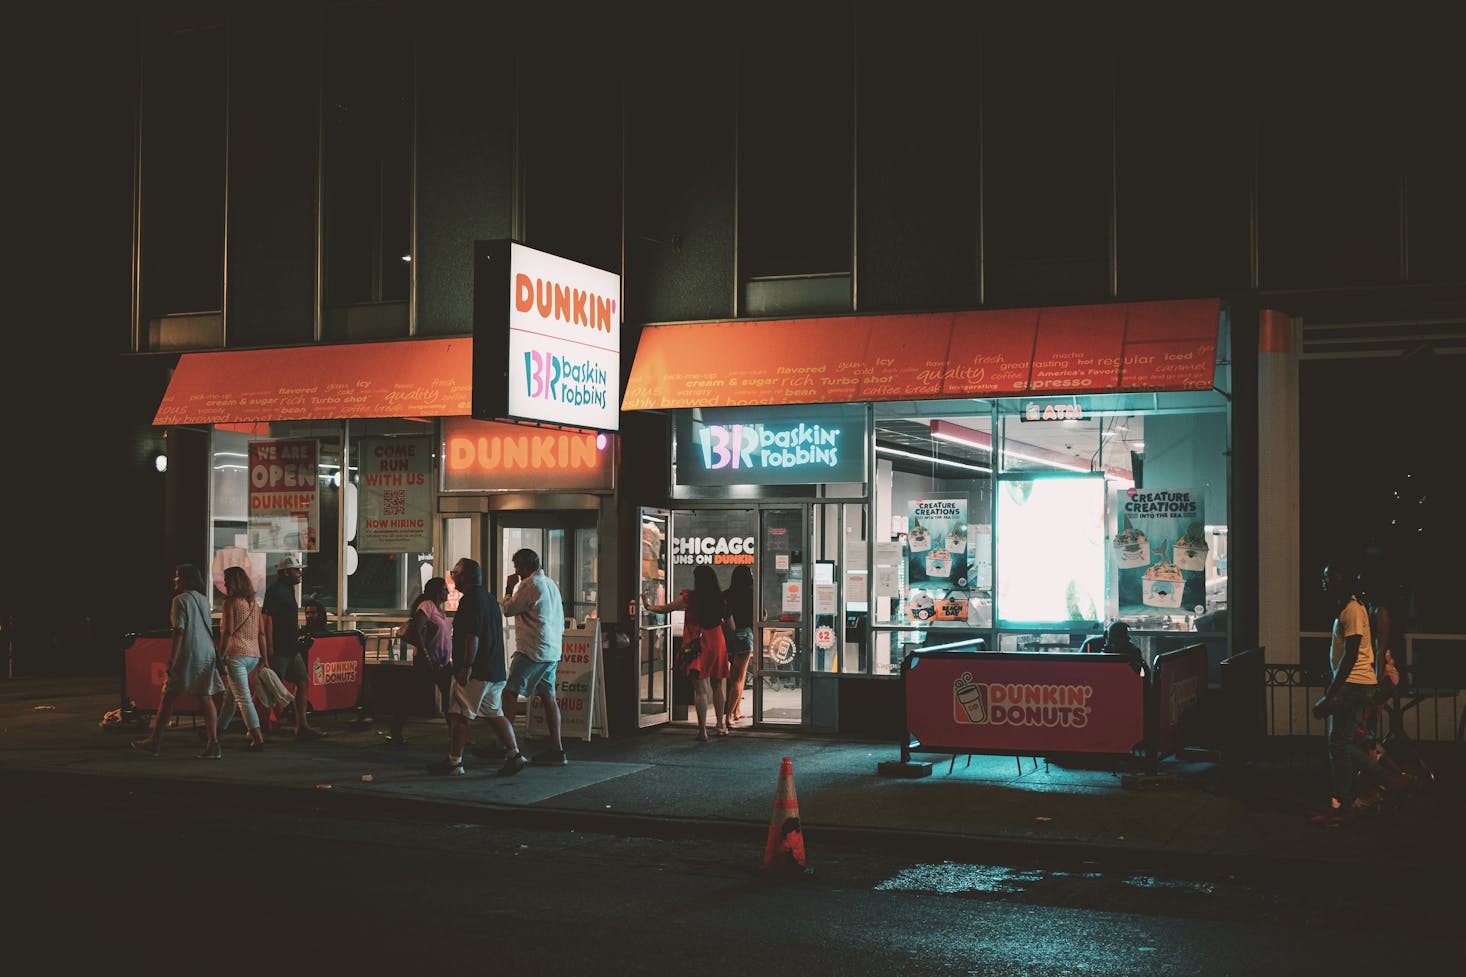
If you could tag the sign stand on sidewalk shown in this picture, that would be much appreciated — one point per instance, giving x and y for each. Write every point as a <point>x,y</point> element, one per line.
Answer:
<point>580,687</point>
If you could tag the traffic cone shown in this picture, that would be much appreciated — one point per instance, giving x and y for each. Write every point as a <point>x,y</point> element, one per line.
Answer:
<point>784,851</point>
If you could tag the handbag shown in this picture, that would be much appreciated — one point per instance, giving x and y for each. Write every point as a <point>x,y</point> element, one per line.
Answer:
<point>691,650</point>
<point>271,692</point>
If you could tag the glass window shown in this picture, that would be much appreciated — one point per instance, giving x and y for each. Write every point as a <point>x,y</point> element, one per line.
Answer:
<point>368,157</point>
<point>305,499</point>
<point>796,132</point>
<point>974,501</point>
<point>933,527</point>
<point>182,188</point>
<point>377,579</point>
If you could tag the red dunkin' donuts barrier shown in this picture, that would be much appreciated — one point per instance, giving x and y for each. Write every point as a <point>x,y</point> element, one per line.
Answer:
<point>1028,704</point>
<point>1178,685</point>
<point>337,663</point>
<point>145,658</point>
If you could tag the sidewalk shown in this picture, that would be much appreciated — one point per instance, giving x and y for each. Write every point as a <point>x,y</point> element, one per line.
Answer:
<point>1200,820</point>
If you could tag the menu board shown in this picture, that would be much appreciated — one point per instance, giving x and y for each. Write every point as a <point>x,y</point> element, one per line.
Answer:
<point>927,356</point>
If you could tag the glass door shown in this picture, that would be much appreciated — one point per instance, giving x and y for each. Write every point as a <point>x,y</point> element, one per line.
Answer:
<point>459,535</point>
<point>565,541</point>
<point>654,631</point>
<point>780,690</point>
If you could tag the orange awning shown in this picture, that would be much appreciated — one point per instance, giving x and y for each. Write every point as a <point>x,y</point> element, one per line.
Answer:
<point>1122,347</point>
<point>409,378</point>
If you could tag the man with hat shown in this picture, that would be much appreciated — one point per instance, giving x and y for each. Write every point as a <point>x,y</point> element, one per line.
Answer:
<point>281,639</point>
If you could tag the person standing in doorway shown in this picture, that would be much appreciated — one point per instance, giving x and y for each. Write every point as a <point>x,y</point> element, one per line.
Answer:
<point>191,668</point>
<point>740,651</point>
<point>478,672</point>
<point>703,610</point>
<point>533,600</point>
<point>282,642</point>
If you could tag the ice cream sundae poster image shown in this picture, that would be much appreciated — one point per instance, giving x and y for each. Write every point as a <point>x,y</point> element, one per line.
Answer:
<point>936,559</point>
<point>1159,551</point>
<point>284,503</point>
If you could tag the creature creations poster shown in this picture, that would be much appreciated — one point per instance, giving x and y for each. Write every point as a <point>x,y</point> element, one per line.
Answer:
<point>1159,551</point>
<point>937,559</point>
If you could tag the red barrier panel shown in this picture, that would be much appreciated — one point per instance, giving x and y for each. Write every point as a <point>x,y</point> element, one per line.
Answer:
<point>1021,703</point>
<point>145,660</point>
<point>1180,682</point>
<point>338,664</point>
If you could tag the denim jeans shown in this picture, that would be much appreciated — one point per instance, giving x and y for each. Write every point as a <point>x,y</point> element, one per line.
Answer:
<point>236,680</point>
<point>1344,752</point>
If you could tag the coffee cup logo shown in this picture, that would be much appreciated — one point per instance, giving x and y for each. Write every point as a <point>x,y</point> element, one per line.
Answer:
<point>971,700</point>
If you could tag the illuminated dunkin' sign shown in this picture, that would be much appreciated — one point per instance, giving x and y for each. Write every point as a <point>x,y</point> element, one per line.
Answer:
<point>771,445</point>
<point>547,338</point>
<point>483,456</point>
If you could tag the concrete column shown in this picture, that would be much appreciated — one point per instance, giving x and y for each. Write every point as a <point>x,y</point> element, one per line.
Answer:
<point>1278,340</point>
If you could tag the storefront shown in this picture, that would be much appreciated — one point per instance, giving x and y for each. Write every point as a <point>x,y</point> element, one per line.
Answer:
<point>375,502</point>
<point>367,461</point>
<point>906,481</point>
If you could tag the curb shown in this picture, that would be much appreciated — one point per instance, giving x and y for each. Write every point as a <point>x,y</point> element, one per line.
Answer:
<point>1037,853</point>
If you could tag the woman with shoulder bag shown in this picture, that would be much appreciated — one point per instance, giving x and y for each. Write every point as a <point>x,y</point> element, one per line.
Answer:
<point>191,666</point>
<point>430,635</point>
<point>239,652</point>
<point>702,622</point>
<point>740,647</point>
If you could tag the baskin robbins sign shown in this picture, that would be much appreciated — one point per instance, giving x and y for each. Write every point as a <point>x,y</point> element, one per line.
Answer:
<point>771,445</point>
<point>547,338</point>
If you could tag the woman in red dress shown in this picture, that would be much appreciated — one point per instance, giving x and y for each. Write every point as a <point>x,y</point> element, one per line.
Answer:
<point>704,610</point>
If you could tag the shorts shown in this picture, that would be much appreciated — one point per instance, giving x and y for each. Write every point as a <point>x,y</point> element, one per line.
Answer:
<point>529,677</point>
<point>477,698</point>
<point>291,668</point>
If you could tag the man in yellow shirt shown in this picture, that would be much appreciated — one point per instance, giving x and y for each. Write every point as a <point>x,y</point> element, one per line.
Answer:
<point>1350,692</point>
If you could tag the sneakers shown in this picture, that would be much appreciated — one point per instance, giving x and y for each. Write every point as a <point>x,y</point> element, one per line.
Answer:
<point>446,766</point>
<point>550,758</point>
<point>513,765</point>
<point>211,753</point>
<point>146,747</point>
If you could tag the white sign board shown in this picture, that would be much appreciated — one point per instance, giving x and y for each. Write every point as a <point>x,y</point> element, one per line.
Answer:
<point>580,687</point>
<point>564,361</point>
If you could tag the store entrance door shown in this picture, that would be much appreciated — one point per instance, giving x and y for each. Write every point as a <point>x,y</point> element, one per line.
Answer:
<point>654,631</point>
<point>566,543</point>
<point>811,629</point>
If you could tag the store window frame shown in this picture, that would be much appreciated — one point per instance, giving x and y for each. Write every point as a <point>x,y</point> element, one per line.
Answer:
<point>1001,420</point>
<point>367,171</point>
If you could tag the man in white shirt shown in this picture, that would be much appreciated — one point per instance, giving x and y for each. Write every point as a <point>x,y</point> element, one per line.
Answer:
<point>533,600</point>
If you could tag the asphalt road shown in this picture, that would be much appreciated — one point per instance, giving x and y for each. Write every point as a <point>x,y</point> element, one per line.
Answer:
<point>168,877</point>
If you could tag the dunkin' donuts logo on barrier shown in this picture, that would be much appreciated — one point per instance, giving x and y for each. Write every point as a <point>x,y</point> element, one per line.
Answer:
<point>335,673</point>
<point>1184,694</point>
<point>1017,704</point>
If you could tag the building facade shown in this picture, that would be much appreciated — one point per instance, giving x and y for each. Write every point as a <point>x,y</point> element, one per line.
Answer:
<point>312,183</point>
